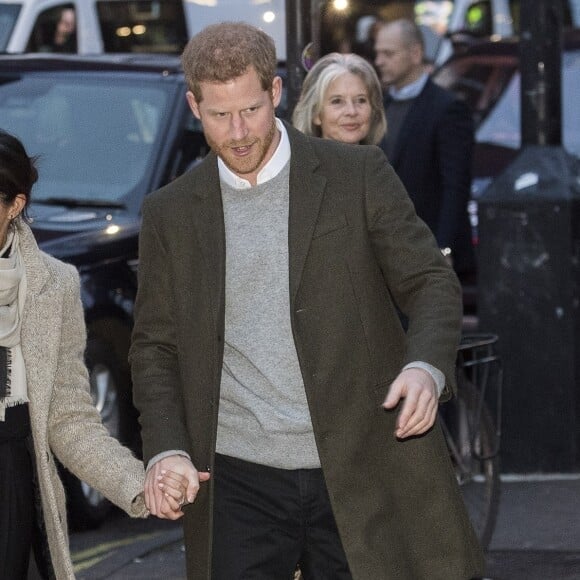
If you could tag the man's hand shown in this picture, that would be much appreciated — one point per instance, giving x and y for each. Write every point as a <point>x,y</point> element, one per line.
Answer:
<point>159,497</point>
<point>419,410</point>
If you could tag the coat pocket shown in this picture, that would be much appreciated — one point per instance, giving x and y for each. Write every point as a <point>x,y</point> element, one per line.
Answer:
<point>329,225</point>
<point>380,390</point>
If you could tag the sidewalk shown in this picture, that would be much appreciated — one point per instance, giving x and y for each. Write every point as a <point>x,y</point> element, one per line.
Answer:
<point>537,536</point>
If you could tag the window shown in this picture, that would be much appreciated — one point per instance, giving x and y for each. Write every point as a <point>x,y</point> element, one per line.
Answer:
<point>478,19</point>
<point>502,126</point>
<point>55,31</point>
<point>138,26</point>
<point>479,81</point>
<point>8,16</point>
<point>570,109</point>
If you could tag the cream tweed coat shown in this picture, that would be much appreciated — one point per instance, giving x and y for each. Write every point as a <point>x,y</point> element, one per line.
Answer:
<point>65,424</point>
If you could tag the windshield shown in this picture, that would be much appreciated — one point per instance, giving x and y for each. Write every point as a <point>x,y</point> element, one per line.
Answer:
<point>8,15</point>
<point>94,138</point>
<point>142,26</point>
<point>502,126</point>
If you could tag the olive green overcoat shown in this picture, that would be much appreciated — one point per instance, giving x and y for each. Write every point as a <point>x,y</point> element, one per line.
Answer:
<point>356,248</point>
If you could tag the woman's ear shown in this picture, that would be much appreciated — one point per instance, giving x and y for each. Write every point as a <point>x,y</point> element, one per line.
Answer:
<point>18,204</point>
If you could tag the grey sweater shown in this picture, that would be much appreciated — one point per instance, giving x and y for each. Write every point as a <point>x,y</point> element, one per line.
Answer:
<point>263,412</point>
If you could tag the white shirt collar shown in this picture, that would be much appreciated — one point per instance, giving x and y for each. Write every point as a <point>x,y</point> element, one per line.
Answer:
<point>409,91</point>
<point>271,169</point>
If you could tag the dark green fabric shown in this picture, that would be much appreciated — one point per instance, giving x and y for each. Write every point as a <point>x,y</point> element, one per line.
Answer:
<point>356,249</point>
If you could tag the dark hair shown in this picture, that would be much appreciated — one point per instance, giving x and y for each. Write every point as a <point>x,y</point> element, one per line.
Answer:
<point>17,170</point>
<point>225,51</point>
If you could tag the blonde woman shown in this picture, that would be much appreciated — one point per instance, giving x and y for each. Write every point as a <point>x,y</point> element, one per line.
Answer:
<point>342,100</point>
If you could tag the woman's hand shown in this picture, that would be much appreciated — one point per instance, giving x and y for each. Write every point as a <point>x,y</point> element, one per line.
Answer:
<point>174,488</point>
<point>169,484</point>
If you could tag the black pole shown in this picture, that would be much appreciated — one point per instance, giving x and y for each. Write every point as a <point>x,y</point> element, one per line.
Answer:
<point>540,65</point>
<point>299,35</point>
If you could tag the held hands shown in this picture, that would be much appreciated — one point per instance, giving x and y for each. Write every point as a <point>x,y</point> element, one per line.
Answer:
<point>419,408</point>
<point>169,484</point>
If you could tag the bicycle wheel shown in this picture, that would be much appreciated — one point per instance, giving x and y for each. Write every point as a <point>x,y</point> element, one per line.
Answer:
<point>472,442</point>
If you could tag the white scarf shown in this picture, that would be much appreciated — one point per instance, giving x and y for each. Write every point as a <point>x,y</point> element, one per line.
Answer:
<point>10,275</point>
<point>12,293</point>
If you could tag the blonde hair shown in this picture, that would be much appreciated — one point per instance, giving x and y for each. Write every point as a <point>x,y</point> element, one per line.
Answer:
<point>316,83</point>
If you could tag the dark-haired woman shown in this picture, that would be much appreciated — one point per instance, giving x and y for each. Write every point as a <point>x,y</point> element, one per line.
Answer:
<point>46,409</point>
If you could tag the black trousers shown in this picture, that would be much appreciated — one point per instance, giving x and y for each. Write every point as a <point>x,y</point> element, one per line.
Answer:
<point>17,512</point>
<point>268,521</point>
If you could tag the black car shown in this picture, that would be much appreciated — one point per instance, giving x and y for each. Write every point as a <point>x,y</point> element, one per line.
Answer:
<point>107,131</point>
<point>485,74</point>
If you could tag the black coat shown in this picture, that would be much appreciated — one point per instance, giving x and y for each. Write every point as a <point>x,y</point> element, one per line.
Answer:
<point>355,247</point>
<point>432,157</point>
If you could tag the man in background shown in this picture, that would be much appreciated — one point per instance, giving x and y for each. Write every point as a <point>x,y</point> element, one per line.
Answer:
<point>429,140</point>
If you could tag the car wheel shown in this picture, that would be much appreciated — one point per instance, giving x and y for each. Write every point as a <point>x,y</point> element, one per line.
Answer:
<point>88,507</point>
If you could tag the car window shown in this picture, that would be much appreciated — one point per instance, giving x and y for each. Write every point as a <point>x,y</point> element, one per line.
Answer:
<point>54,31</point>
<point>95,138</point>
<point>468,81</point>
<point>8,16</point>
<point>190,148</point>
<point>479,18</point>
<point>570,109</point>
<point>570,13</point>
<point>141,26</point>
<point>478,80</point>
<point>502,126</point>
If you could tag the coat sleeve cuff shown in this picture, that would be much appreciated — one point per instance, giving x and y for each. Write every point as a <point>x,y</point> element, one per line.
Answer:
<point>165,454</point>
<point>138,508</point>
<point>437,375</point>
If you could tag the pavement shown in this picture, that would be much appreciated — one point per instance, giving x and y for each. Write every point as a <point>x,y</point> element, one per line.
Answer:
<point>537,537</point>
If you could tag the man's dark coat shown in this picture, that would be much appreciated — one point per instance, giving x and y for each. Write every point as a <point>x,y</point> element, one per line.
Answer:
<point>355,248</point>
<point>432,156</point>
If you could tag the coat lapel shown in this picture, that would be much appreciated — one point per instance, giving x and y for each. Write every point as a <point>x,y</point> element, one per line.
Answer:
<point>207,217</point>
<point>306,191</point>
<point>37,274</point>
<point>40,329</point>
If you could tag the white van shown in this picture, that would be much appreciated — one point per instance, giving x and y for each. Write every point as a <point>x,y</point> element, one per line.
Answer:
<point>126,25</point>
